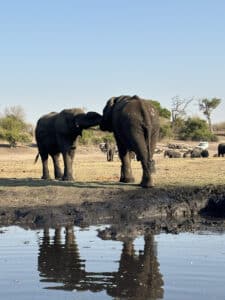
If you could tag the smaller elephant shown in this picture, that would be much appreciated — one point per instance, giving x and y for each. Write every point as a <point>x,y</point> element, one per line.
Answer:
<point>199,153</point>
<point>172,154</point>
<point>205,153</point>
<point>110,150</point>
<point>221,150</point>
<point>195,153</point>
<point>187,153</point>
<point>57,133</point>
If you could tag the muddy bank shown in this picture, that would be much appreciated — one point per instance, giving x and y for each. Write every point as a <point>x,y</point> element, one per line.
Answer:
<point>39,204</point>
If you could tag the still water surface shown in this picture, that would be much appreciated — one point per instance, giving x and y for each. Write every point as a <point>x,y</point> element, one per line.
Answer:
<point>73,263</point>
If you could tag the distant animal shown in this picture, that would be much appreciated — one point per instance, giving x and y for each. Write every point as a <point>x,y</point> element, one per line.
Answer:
<point>110,151</point>
<point>221,150</point>
<point>205,153</point>
<point>57,133</point>
<point>102,147</point>
<point>199,153</point>
<point>172,154</point>
<point>187,153</point>
<point>135,125</point>
<point>132,155</point>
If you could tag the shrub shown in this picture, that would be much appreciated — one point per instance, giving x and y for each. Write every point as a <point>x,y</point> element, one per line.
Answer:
<point>13,130</point>
<point>196,129</point>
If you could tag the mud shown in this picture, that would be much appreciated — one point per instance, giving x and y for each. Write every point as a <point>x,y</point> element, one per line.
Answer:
<point>139,210</point>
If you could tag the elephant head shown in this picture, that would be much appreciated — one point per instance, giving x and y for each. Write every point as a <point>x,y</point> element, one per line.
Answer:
<point>75,120</point>
<point>106,123</point>
<point>86,120</point>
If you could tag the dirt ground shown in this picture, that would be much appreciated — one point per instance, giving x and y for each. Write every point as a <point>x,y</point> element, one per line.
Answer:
<point>183,188</point>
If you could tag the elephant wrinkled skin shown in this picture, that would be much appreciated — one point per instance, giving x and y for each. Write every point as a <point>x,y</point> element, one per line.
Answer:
<point>57,133</point>
<point>135,124</point>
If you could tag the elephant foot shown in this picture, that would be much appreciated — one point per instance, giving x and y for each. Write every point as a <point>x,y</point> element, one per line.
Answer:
<point>67,178</point>
<point>147,183</point>
<point>127,180</point>
<point>46,177</point>
<point>58,176</point>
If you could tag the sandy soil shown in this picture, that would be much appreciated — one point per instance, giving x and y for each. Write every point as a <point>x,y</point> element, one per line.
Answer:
<point>184,188</point>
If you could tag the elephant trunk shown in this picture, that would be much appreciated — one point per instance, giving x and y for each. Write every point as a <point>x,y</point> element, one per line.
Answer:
<point>88,120</point>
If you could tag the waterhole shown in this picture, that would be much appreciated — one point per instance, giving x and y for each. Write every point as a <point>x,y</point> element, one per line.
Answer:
<point>81,263</point>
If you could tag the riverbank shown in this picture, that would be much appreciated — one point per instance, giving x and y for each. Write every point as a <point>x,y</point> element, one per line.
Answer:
<point>184,188</point>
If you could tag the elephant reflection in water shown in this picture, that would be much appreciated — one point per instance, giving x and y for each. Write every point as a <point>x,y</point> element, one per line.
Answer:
<point>138,276</point>
<point>59,262</point>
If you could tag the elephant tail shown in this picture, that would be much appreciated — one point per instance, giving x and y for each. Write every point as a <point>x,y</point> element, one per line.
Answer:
<point>36,158</point>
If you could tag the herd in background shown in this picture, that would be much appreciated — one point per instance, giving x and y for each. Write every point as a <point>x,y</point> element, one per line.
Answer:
<point>171,151</point>
<point>198,151</point>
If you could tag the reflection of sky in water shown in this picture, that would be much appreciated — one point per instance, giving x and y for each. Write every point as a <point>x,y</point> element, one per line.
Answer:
<point>100,255</point>
<point>192,265</point>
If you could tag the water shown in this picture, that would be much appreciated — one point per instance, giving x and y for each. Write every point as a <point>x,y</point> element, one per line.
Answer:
<point>75,263</point>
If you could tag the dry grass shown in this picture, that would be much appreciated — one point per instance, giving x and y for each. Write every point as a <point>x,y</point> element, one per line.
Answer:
<point>91,166</point>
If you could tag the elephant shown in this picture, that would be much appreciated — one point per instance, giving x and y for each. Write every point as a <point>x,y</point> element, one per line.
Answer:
<point>57,133</point>
<point>172,154</point>
<point>221,149</point>
<point>187,153</point>
<point>205,153</point>
<point>199,153</point>
<point>110,151</point>
<point>135,125</point>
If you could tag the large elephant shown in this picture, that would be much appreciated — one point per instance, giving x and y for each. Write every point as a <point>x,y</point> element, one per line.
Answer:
<point>57,133</point>
<point>221,149</point>
<point>135,124</point>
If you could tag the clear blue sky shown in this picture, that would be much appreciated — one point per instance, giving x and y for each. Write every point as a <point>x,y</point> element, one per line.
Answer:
<point>79,53</point>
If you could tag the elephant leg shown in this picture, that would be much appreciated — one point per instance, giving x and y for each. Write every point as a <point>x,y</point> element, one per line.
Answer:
<point>68,158</point>
<point>126,171</point>
<point>57,170</point>
<point>108,156</point>
<point>144,154</point>
<point>45,170</point>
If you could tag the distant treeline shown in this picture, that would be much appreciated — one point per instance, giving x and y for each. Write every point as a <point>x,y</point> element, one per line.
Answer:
<point>173,125</point>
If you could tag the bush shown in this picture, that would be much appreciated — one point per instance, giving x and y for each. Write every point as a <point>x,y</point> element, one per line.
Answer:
<point>196,129</point>
<point>165,131</point>
<point>14,130</point>
<point>86,137</point>
<point>95,137</point>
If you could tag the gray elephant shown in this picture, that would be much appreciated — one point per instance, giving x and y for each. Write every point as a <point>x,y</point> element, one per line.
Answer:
<point>221,150</point>
<point>199,153</point>
<point>57,133</point>
<point>110,150</point>
<point>135,124</point>
<point>172,154</point>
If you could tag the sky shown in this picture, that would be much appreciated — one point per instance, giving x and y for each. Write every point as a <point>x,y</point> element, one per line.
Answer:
<point>79,53</point>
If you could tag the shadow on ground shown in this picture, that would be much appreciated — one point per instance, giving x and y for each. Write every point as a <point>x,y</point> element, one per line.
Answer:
<point>31,182</point>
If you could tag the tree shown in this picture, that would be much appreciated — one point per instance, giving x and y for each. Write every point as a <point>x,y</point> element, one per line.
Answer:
<point>13,128</point>
<point>163,112</point>
<point>17,111</point>
<point>179,107</point>
<point>207,106</point>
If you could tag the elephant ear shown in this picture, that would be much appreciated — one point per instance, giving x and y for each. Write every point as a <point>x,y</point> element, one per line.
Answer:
<point>84,121</point>
<point>106,123</point>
